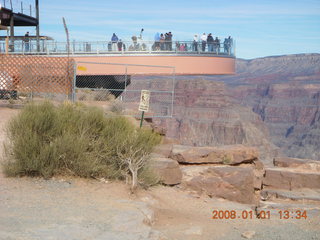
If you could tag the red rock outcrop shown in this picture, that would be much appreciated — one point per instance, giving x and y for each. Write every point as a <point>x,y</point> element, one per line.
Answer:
<point>297,163</point>
<point>167,170</point>
<point>205,116</point>
<point>233,172</point>
<point>290,179</point>
<point>228,155</point>
<point>229,182</point>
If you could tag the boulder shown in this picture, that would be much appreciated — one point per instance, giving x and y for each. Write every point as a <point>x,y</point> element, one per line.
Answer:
<point>234,183</point>
<point>228,154</point>
<point>168,170</point>
<point>290,178</point>
<point>296,163</point>
<point>163,149</point>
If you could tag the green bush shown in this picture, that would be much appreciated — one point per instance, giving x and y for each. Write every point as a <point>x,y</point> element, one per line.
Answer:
<point>74,139</point>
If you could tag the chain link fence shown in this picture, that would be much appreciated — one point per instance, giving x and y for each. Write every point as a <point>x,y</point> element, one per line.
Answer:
<point>55,78</point>
<point>35,76</point>
<point>122,91</point>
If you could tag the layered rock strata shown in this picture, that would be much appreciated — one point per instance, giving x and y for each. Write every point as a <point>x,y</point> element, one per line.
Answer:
<point>285,92</point>
<point>205,116</point>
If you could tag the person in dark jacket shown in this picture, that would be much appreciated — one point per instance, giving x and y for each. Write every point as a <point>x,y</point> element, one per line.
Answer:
<point>195,43</point>
<point>210,42</point>
<point>120,45</point>
<point>170,41</point>
<point>26,42</point>
<point>114,40</point>
<point>203,41</point>
<point>216,45</point>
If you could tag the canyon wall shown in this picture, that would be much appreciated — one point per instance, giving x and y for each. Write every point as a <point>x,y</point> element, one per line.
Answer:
<point>205,116</point>
<point>285,92</point>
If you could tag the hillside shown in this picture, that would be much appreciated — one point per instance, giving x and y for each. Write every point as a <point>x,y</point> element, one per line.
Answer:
<point>284,91</point>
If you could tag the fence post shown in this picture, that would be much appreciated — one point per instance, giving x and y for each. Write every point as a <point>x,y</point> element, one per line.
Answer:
<point>74,82</point>
<point>173,88</point>
<point>125,84</point>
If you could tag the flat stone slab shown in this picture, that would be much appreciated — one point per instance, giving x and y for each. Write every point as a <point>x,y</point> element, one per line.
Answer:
<point>227,154</point>
<point>297,195</point>
<point>297,163</point>
<point>290,178</point>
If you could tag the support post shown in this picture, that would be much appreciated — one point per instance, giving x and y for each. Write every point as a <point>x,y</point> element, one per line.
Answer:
<point>38,27</point>
<point>141,121</point>
<point>7,45</point>
<point>73,97</point>
<point>12,33</point>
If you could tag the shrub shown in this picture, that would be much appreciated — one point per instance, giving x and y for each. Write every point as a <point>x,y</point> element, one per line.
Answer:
<point>73,139</point>
<point>117,107</point>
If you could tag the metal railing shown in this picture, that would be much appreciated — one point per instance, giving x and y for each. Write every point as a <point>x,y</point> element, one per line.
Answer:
<point>49,47</point>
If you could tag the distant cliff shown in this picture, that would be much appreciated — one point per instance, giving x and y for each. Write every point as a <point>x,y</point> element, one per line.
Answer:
<point>284,91</point>
<point>205,116</point>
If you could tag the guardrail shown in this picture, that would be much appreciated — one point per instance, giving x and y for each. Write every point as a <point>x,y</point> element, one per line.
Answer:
<point>48,47</point>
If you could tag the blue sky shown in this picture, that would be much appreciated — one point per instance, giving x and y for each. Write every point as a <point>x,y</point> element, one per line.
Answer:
<point>260,27</point>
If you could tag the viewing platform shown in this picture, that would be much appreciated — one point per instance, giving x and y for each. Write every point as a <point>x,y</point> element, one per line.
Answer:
<point>186,57</point>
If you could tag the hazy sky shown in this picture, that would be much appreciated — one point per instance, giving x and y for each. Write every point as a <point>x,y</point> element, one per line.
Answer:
<point>260,27</point>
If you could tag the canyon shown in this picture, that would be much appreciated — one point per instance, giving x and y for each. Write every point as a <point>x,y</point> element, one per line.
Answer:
<point>285,92</point>
<point>271,103</point>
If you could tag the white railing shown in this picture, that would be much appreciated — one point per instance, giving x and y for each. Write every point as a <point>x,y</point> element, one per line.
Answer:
<point>49,47</point>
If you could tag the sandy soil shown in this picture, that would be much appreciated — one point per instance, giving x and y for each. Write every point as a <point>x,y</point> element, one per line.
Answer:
<point>73,208</point>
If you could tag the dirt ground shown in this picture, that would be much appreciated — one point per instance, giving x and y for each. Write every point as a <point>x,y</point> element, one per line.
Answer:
<point>74,208</point>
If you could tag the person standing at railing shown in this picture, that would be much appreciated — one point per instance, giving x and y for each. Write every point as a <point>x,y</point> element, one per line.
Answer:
<point>135,42</point>
<point>26,42</point>
<point>166,41</point>
<point>216,45</point>
<point>203,42</point>
<point>230,44</point>
<point>114,40</point>
<point>120,45</point>
<point>195,43</point>
<point>157,42</point>
<point>210,42</point>
<point>225,45</point>
<point>162,42</point>
<point>170,41</point>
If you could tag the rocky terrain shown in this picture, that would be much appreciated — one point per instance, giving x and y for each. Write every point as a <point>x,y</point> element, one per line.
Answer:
<point>199,182</point>
<point>204,115</point>
<point>272,103</point>
<point>284,91</point>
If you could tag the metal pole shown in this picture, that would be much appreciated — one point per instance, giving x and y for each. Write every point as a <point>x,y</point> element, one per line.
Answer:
<point>125,84</point>
<point>38,27</point>
<point>74,82</point>
<point>21,7</point>
<point>141,121</point>
<point>12,33</point>
<point>7,44</point>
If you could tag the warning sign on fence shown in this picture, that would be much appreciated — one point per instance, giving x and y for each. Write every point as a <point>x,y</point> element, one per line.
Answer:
<point>144,101</point>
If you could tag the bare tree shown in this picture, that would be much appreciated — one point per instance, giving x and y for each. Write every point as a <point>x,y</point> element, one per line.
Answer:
<point>132,160</point>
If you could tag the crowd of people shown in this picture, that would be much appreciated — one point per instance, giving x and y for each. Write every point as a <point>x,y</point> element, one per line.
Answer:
<point>211,43</point>
<point>163,42</point>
